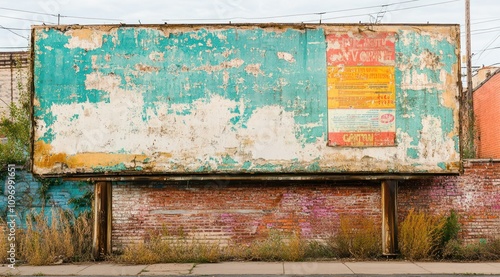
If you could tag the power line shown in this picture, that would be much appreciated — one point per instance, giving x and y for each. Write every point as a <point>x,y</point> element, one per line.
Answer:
<point>90,18</point>
<point>485,21</point>
<point>20,18</point>
<point>394,10</point>
<point>24,11</point>
<point>489,44</point>
<point>486,29</point>
<point>2,27</point>
<point>291,15</point>
<point>491,48</point>
<point>16,29</point>
<point>59,15</point>
<point>14,47</point>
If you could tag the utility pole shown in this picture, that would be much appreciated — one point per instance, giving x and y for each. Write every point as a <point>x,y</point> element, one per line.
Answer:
<point>468,108</point>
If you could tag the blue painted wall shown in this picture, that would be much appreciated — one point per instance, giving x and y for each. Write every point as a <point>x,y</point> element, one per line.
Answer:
<point>28,198</point>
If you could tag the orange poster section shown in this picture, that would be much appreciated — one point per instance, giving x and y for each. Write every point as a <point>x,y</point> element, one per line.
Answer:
<point>360,82</point>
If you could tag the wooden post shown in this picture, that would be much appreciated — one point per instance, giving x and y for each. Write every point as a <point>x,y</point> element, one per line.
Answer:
<point>102,220</point>
<point>389,217</point>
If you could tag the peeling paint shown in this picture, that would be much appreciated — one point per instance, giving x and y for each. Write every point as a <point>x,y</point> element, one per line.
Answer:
<point>211,99</point>
<point>286,56</point>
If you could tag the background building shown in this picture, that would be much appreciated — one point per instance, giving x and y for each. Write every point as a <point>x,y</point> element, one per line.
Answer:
<point>13,69</point>
<point>487,116</point>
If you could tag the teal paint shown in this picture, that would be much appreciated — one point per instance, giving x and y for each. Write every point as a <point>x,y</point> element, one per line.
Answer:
<point>268,167</point>
<point>412,153</point>
<point>306,75</point>
<point>314,167</point>
<point>172,74</point>
<point>246,165</point>
<point>28,199</point>
<point>426,101</point>
<point>228,160</point>
<point>442,165</point>
<point>115,168</point>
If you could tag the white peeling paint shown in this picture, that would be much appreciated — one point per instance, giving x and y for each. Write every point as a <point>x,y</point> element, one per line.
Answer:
<point>286,56</point>
<point>432,149</point>
<point>224,65</point>
<point>254,69</point>
<point>90,41</point>
<point>156,56</point>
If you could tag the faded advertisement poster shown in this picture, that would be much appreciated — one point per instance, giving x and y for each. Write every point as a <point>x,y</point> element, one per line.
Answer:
<point>361,89</point>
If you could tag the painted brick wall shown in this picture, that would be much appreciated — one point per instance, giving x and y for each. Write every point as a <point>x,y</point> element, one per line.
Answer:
<point>487,116</point>
<point>27,195</point>
<point>475,196</point>
<point>244,210</point>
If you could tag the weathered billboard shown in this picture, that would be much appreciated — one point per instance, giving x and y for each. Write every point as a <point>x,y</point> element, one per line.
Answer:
<point>204,99</point>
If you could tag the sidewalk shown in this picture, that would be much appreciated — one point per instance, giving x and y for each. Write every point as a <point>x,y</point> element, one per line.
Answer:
<point>259,268</point>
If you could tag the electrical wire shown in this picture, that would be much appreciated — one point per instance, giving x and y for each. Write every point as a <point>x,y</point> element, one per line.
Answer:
<point>394,10</point>
<point>489,44</point>
<point>14,47</point>
<point>59,15</point>
<point>24,11</point>
<point>289,15</point>
<point>16,29</point>
<point>20,18</point>
<point>19,35</point>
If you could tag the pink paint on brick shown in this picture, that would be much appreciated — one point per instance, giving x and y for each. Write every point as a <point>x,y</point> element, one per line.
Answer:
<point>244,211</point>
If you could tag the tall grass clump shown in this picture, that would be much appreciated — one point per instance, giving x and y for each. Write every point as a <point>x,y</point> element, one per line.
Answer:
<point>46,242</point>
<point>161,247</point>
<point>483,250</point>
<point>358,237</point>
<point>82,229</point>
<point>60,238</point>
<point>3,242</point>
<point>420,235</point>
<point>278,246</point>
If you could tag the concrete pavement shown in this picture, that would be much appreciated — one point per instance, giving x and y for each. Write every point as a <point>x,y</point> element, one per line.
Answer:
<point>259,268</point>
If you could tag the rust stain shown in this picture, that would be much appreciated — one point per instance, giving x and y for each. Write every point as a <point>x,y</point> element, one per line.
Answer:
<point>448,96</point>
<point>46,159</point>
<point>102,159</point>
<point>146,68</point>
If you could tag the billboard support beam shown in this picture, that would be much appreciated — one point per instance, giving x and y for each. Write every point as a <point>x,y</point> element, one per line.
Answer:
<point>389,217</point>
<point>101,244</point>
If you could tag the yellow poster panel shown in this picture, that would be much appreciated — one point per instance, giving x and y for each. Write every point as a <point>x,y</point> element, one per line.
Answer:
<point>361,87</point>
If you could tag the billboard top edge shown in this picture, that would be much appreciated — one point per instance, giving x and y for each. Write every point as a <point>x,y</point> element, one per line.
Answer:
<point>264,25</point>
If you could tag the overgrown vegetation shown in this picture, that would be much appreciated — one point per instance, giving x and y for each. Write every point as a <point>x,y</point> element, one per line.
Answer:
<point>3,242</point>
<point>161,247</point>
<point>358,237</point>
<point>62,237</point>
<point>15,126</point>
<point>420,235</point>
<point>53,235</point>
<point>424,237</point>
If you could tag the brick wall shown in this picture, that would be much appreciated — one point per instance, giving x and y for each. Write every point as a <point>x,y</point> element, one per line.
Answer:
<point>487,117</point>
<point>238,211</point>
<point>245,210</point>
<point>475,196</point>
<point>28,196</point>
<point>13,69</point>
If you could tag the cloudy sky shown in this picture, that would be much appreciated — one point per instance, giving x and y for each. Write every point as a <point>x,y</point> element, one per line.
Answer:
<point>16,17</point>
